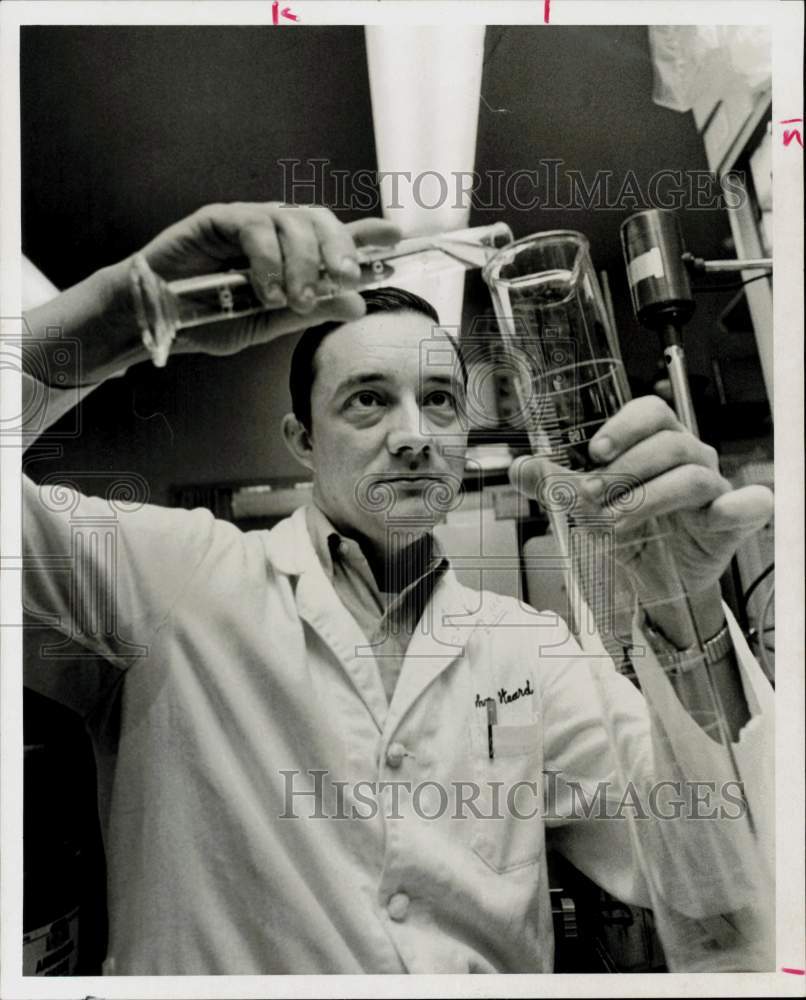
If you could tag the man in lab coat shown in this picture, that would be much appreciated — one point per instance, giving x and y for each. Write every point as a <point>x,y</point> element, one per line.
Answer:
<point>298,771</point>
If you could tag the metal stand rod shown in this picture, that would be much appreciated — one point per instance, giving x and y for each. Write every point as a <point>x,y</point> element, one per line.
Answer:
<point>712,266</point>
<point>675,359</point>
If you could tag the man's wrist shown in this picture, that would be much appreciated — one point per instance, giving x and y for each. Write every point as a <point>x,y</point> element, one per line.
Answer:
<point>712,650</point>
<point>114,285</point>
<point>682,622</point>
<point>97,316</point>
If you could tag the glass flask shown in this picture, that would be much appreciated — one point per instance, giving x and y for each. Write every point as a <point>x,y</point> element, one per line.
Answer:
<point>709,884</point>
<point>163,308</point>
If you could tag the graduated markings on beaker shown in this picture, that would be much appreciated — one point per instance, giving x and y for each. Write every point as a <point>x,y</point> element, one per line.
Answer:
<point>591,545</point>
<point>544,432</point>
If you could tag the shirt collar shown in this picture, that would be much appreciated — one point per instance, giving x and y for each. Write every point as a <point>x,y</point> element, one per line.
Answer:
<point>321,530</point>
<point>422,558</point>
<point>290,551</point>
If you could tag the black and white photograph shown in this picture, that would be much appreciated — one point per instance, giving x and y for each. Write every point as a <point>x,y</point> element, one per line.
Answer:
<point>399,436</point>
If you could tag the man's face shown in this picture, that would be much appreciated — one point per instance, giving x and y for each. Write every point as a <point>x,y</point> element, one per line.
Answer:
<point>387,439</point>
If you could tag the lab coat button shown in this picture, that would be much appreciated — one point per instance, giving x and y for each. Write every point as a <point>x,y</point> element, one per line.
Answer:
<point>398,906</point>
<point>395,754</point>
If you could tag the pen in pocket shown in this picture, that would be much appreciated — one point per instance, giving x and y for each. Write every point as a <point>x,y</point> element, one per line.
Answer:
<point>491,720</point>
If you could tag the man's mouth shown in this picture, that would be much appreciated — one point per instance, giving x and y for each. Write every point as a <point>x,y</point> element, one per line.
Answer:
<point>412,478</point>
<point>412,482</point>
<point>438,491</point>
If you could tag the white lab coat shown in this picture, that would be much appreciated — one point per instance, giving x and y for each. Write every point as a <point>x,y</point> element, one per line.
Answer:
<point>249,665</point>
<point>228,660</point>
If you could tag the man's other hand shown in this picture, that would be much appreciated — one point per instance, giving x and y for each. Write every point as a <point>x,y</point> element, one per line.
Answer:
<point>669,473</point>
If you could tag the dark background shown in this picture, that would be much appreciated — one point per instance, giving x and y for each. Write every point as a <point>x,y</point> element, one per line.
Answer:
<point>127,129</point>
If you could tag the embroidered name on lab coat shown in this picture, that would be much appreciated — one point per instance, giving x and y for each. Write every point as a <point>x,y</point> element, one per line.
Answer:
<point>504,696</point>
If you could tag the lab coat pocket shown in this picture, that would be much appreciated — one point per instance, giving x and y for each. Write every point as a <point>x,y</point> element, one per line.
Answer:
<point>508,831</point>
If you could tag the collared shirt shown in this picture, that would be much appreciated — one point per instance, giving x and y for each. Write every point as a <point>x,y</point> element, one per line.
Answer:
<point>387,617</point>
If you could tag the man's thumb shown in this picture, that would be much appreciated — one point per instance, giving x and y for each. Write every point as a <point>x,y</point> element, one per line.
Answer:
<point>527,474</point>
<point>342,308</point>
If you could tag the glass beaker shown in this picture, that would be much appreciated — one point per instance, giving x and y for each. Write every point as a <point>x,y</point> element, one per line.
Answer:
<point>570,380</point>
<point>552,316</point>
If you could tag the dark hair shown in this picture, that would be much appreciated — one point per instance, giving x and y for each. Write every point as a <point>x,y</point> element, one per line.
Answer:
<point>378,300</point>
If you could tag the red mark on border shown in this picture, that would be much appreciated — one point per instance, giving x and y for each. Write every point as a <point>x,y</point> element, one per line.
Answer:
<point>546,11</point>
<point>789,135</point>
<point>794,972</point>
<point>276,13</point>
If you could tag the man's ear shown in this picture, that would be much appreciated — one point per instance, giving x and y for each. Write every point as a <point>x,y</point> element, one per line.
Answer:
<point>298,441</point>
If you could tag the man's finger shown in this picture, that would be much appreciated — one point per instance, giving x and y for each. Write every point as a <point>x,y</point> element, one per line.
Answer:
<point>686,487</point>
<point>345,307</point>
<point>302,259</point>
<point>530,475</point>
<point>337,247</point>
<point>374,232</point>
<point>743,511</point>
<point>638,419</point>
<point>260,244</point>
<point>650,458</point>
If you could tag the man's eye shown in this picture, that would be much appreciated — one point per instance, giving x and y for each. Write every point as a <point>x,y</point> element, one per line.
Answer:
<point>441,400</point>
<point>364,400</point>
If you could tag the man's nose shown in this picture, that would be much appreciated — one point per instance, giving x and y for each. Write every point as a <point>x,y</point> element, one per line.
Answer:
<point>410,434</point>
